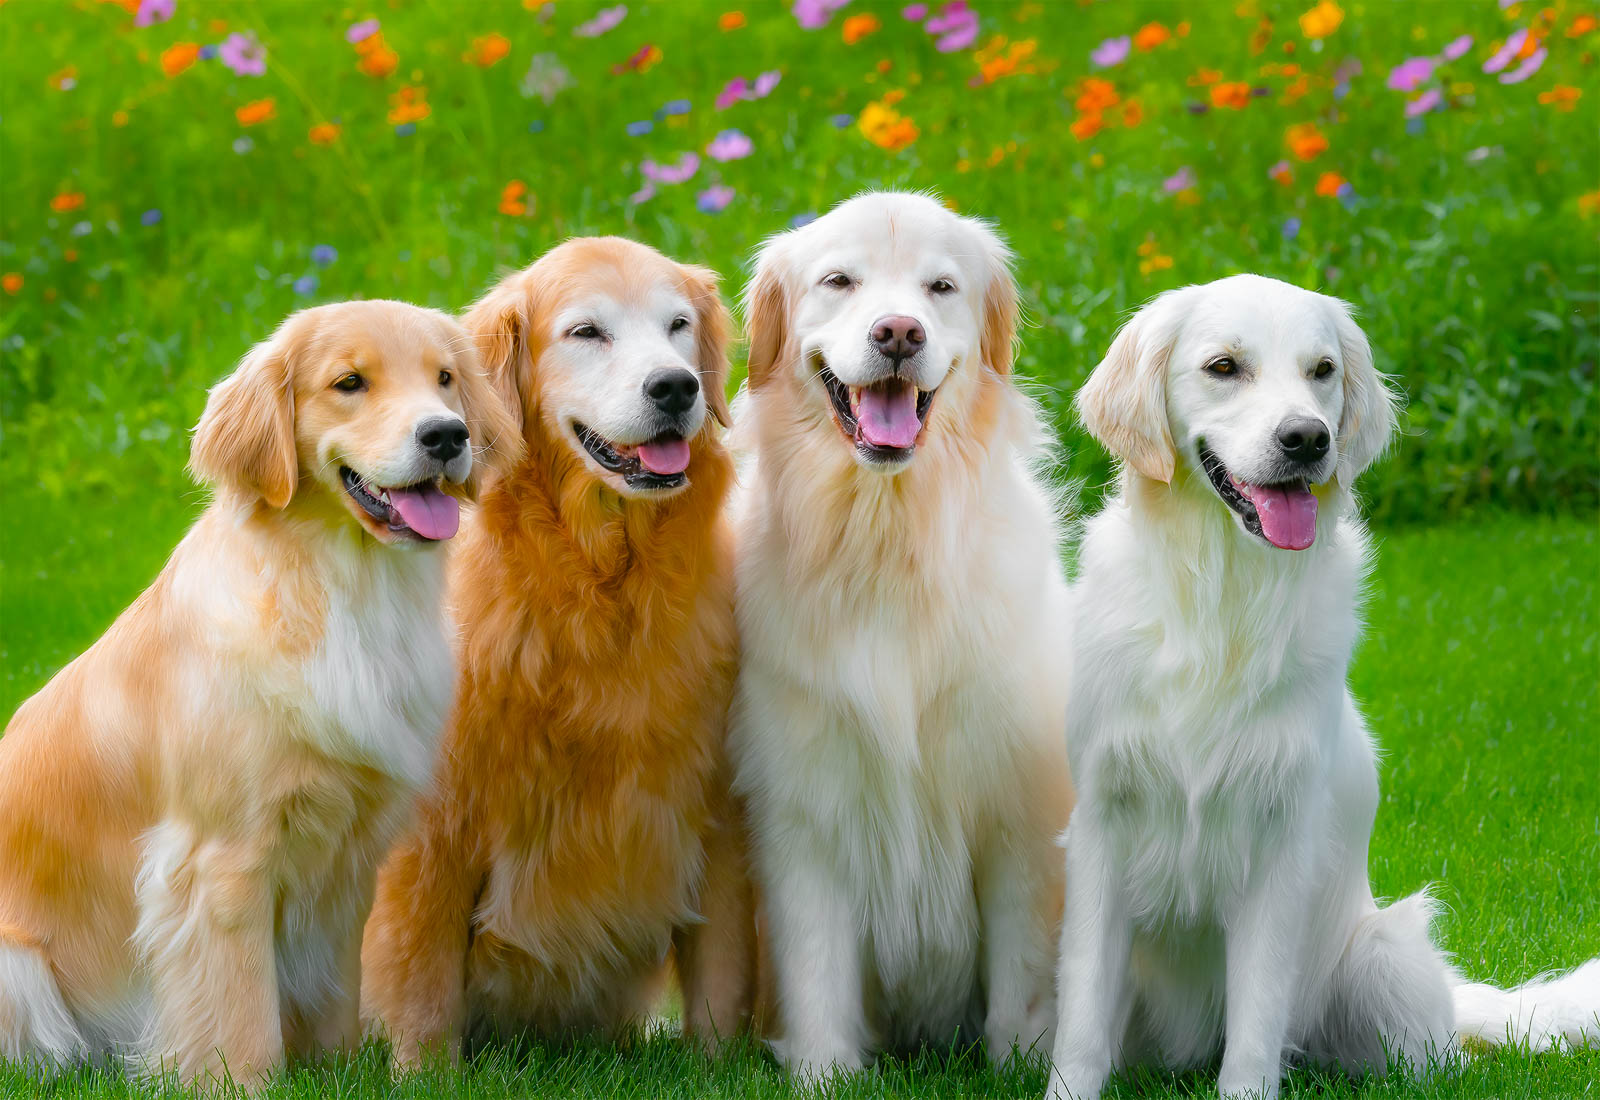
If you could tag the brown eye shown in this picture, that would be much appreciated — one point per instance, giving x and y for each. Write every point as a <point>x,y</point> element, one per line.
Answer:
<point>679,324</point>
<point>444,378</point>
<point>838,280</point>
<point>1324,369</point>
<point>1222,365</point>
<point>585,332</point>
<point>941,286</point>
<point>350,383</point>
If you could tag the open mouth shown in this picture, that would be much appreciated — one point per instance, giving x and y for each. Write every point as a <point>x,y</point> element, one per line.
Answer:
<point>660,463</point>
<point>883,419</point>
<point>423,511</point>
<point>1284,514</point>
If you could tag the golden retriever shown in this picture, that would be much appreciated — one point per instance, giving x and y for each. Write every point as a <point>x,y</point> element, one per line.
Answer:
<point>192,812</point>
<point>897,731</point>
<point>581,825</point>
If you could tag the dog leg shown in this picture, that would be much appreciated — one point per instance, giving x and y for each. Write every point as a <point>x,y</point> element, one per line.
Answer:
<point>817,957</point>
<point>35,1023</point>
<point>1094,994</point>
<point>1015,918</point>
<point>716,959</point>
<point>206,933</point>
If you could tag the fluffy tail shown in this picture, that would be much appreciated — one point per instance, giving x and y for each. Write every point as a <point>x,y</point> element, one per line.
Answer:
<point>35,1025</point>
<point>1537,1013</point>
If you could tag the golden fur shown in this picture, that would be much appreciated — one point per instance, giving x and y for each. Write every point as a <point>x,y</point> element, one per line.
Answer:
<point>192,811</point>
<point>581,822</point>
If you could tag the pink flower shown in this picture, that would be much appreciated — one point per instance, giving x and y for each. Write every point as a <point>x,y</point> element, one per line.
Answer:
<point>1182,180</point>
<point>1456,48</point>
<point>715,199</point>
<point>956,26</point>
<point>739,88</point>
<point>644,194</point>
<point>816,13</point>
<point>360,32</point>
<point>1406,76</point>
<point>914,12</point>
<point>730,145</point>
<point>152,12</point>
<point>681,170</point>
<point>1526,69</point>
<point>244,54</point>
<point>1111,52</point>
<point>1424,103</point>
<point>1502,57</point>
<point>603,21</point>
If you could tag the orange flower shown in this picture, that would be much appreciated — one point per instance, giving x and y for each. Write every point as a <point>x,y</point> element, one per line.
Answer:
<point>1204,77</point>
<point>1087,126</point>
<point>730,21</point>
<point>1232,94</point>
<point>1321,20</point>
<point>178,57</point>
<point>1588,207</point>
<point>64,78</point>
<point>884,64</point>
<point>67,200</point>
<point>1582,26</point>
<point>1132,113</point>
<point>886,127</point>
<point>1158,262</point>
<point>257,111</point>
<point>70,255</point>
<point>1306,141</point>
<point>11,282</point>
<point>858,27</point>
<point>409,104</point>
<point>1182,29</point>
<point>487,50</point>
<point>1150,36</point>
<point>323,133</point>
<point>1096,95</point>
<point>377,59</point>
<point>1297,90</point>
<point>1284,175</point>
<point>1328,184</point>
<point>1563,97</point>
<point>997,60</point>
<point>511,199</point>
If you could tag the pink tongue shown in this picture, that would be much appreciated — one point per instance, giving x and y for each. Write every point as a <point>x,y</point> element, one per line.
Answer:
<point>1288,516</point>
<point>665,456</point>
<point>887,415</point>
<point>427,511</point>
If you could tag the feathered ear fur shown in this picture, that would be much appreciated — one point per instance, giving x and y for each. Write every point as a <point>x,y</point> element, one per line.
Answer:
<point>713,328</point>
<point>499,322</point>
<point>999,340</point>
<point>1370,415</point>
<point>1124,402</point>
<point>766,313</point>
<point>492,423</point>
<point>245,439</point>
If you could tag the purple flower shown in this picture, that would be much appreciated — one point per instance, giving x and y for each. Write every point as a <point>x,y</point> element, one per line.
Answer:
<point>764,84</point>
<point>1502,57</point>
<point>1291,228</point>
<point>1113,51</point>
<point>324,254</point>
<point>1456,47</point>
<point>150,217</point>
<point>152,12</point>
<point>640,128</point>
<point>1409,73</point>
<point>813,14</point>
<point>1182,180</point>
<point>306,285</point>
<point>1526,69</point>
<point>603,21</point>
<point>683,169</point>
<point>730,145</point>
<point>714,200</point>
<point>244,54</point>
<point>1424,103</point>
<point>739,88</point>
<point>913,12</point>
<point>956,26</point>
<point>360,32</point>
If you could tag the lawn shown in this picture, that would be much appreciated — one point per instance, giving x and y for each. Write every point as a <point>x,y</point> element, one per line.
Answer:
<point>163,205</point>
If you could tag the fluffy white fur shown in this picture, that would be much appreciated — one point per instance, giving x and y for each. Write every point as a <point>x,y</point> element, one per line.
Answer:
<point>1216,863</point>
<point>896,728</point>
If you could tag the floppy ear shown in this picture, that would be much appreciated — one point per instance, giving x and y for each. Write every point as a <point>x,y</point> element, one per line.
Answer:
<point>999,340</point>
<point>499,323</point>
<point>1369,419</point>
<point>494,429</point>
<point>766,314</point>
<point>713,327</point>
<point>1124,402</point>
<point>245,438</point>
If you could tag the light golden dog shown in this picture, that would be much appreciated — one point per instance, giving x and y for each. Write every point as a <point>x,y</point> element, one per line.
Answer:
<point>581,825</point>
<point>191,813</point>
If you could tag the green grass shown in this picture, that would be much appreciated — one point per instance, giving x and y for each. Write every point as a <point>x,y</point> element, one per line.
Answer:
<point>1469,243</point>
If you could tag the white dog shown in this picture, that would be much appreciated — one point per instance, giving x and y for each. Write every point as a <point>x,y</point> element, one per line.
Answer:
<point>1216,866</point>
<point>896,728</point>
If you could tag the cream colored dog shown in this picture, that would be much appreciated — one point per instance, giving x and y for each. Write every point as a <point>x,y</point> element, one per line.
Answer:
<point>192,812</point>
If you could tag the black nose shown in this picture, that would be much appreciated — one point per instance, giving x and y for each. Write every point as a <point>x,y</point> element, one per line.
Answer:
<point>673,391</point>
<point>1303,438</point>
<point>443,437</point>
<point>898,337</point>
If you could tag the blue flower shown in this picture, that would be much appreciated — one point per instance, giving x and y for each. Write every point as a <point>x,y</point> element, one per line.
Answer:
<point>843,122</point>
<point>150,217</point>
<point>640,128</point>
<point>802,219</point>
<point>208,52</point>
<point>306,285</point>
<point>324,254</point>
<point>1291,229</point>
<point>405,129</point>
<point>536,126</point>
<point>676,107</point>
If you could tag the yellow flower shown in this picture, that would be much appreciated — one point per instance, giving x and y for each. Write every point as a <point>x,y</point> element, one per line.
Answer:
<point>886,127</point>
<point>1321,20</point>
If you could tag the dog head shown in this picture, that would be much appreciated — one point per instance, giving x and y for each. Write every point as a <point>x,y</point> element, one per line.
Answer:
<point>375,411</point>
<point>1268,389</point>
<point>614,350</point>
<point>879,311</point>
